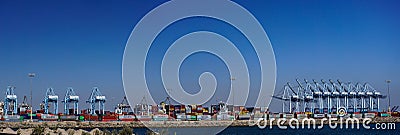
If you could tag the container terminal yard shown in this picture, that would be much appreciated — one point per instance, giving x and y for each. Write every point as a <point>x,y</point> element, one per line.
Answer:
<point>307,99</point>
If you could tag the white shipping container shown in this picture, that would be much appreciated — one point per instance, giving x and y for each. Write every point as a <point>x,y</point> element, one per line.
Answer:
<point>11,117</point>
<point>206,117</point>
<point>181,117</point>
<point>69,117</point>
<point>357,115</point>
<point>301,116</point>
<point>369,115</point>
<point>199,117</point>
<point>224,117</point>
<point>332,115</point>
<point>289,116</point>
<point>49,116</point>
<point>160,117</point>
<point>127,116</point>
<point>319,116</point>
<point>275,116</point>
<point>144,117</point>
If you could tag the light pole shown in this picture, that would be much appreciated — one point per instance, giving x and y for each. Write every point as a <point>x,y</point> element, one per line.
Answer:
<point>31,76</point>
<point>388,83</point>
<point>169,102</point>
<point>233,97</point>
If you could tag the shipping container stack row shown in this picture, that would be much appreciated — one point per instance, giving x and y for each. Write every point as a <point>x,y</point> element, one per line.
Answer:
<point>182,113</point>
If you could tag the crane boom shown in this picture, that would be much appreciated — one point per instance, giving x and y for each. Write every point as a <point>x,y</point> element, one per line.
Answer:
<point>290,87</point>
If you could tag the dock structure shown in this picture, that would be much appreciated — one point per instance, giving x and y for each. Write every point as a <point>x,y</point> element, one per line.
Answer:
<point>305,99</point>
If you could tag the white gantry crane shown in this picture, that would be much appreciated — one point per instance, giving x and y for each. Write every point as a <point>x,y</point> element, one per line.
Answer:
<point>71,97</point>
<point>328,97</point>
<point>96,98</point>
<point>307,96</point>
<point>317,94</point>
<point>290,98</point>
<point>50,98</point>
<point>352,97</point>
<point>373,97</point>
<point>10,101</point>
<point>344,94</point>
<point>360,97</point>
<point>333,96</point>
<point>377,95</point>
<point>294,98</point>
<point>338,95</point>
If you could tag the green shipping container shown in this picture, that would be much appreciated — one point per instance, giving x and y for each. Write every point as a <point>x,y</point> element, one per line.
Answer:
<point>32,114</point>
<point>81,118</point>
<point>385,115</point>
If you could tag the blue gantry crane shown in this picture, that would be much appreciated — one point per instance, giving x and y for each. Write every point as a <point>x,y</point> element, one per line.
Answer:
<point>10,101</point>
<point>96,98</point>
<point>50,98</point>
<point>71,97</point>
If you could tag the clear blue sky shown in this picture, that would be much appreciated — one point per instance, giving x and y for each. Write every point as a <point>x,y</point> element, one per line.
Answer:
<point>81,44</point>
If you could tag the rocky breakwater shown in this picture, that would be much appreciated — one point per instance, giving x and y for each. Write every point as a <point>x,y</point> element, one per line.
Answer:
<point>54,126</point>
